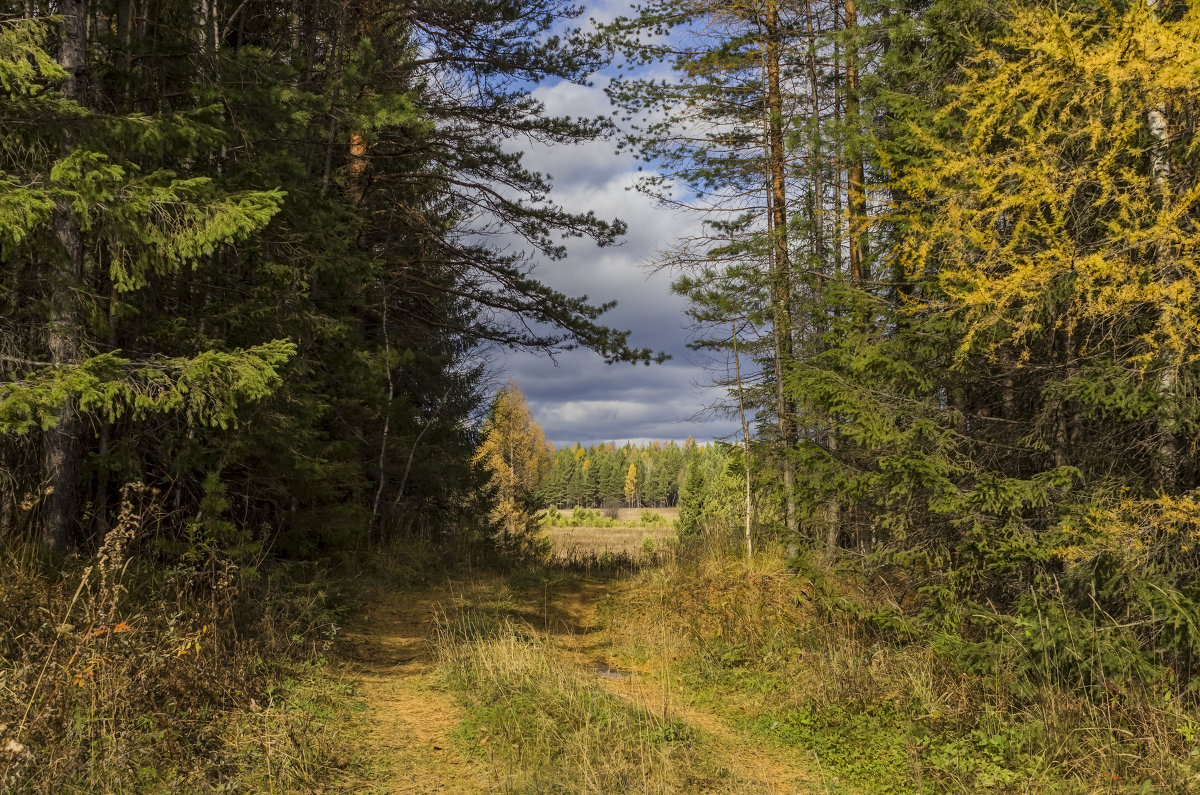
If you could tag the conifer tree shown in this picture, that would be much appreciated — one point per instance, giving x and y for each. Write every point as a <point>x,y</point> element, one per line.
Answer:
<point>87,207</point>
<point>515,454</point>
<point>1003,413</point>
<point>279,214</point>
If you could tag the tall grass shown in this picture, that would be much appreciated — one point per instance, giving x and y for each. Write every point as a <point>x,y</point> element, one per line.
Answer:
<point>129,671</point>
<point>800,661</point>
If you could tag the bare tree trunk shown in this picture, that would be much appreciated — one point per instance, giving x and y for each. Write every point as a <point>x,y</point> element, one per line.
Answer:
<point>387,419</point>
<point>357,181</point>
<point>833,509</point>
<point>359,160</point>
<point>816,173</point>
<point>737,365</point>
<point>60,459</point>
<point>854,166</point>
<point>1168,273</point>
<point>781,278</point>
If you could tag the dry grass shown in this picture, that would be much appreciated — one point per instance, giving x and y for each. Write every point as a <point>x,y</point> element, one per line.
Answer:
<point>570,542</point>
<point>127,672</point>
<point>544,725</point>
<point>627,535</point>
<point>772,652</point>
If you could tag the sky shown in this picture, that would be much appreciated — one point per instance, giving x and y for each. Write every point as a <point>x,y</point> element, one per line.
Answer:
<point>578,397</point>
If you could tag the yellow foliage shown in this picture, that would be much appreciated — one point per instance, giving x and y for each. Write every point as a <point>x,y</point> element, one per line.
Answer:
<point>631,476</point>
<point>1044,212</point>
<point>514,450</point>
<point>1137,533</point>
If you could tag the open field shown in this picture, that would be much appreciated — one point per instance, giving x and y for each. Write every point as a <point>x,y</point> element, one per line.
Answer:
<point>627,536</point>
<point>581,541</point>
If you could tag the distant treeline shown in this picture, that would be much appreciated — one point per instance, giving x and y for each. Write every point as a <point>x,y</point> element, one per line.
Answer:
<point>652,475</point>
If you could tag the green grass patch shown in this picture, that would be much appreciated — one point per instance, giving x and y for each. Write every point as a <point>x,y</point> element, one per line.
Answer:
<point>777,658</point>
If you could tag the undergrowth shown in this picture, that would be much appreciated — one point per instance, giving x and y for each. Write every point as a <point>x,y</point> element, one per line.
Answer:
<point>814,662</point>
<point>137,670</point>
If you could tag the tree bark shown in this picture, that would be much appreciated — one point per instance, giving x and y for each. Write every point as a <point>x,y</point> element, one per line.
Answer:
<point>781,278</point>
<point>1167,459</point>
<point>737,365</point>
<point>60,458</point>
<point>855,171</point>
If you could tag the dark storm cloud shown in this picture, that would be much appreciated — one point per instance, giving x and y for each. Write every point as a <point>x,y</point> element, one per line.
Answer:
<point>580,398</point>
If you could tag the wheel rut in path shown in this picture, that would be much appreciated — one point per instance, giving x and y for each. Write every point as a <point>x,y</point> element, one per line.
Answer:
<point>754,768</point>
<point>410,719</point>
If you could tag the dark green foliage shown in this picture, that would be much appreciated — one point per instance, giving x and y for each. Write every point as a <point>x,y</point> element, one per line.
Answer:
<point>1029,479</point>
<point>281,284</point>
<point>595,476</point>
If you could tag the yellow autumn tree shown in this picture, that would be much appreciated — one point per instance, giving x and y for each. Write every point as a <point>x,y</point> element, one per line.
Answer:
<point>1062,214</point>
<point>1055,228</point>
<point>1058,205</point>
<point>631,478</point>
<point>514,450</point>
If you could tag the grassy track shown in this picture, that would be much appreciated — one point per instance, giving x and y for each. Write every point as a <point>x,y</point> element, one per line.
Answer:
<point>505,684</point>
<point>615,669</point>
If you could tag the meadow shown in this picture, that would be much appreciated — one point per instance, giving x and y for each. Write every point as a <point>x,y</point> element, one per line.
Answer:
<point>585,532</point>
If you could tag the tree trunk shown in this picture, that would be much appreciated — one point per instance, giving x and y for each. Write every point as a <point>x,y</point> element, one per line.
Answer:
<point>737,365</point>
<point>359,155</point>
<point>815,165</point>
<point>781,278</point>
<point>1168,273</point>
<point>60,459</point>
<point>854,166</point>
<point>833,514</point>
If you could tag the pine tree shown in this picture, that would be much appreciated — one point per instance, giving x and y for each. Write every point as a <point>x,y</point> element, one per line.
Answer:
<point>94,220</point>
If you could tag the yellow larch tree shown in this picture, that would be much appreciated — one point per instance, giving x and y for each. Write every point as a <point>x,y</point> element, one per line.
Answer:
<point>1058,219</point>
<point>1063,213</point>
<point>631,492</point>
<point>514,450</point>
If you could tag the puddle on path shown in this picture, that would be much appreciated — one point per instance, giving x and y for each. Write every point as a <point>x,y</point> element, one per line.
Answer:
<point>602,669</point>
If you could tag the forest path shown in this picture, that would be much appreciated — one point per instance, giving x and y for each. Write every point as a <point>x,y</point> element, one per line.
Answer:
<point>754,768</point>
<point>410,718</point>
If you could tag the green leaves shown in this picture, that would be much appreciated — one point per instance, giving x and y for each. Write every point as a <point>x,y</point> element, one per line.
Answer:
<point>206,389</point>
<point>25,66</point>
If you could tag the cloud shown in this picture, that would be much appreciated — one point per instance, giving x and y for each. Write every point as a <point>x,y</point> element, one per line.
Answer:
<point>577,397</point>
<point>582,400</point>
